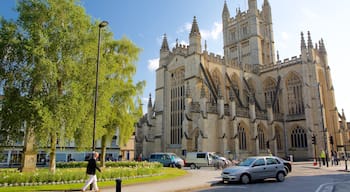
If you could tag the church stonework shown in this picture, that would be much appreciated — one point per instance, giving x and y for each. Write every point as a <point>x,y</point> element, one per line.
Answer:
<point>247,102</point>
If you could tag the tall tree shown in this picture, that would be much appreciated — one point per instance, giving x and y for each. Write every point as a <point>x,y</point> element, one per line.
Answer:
<point>58,40</point>
<point>48,60</point>
<point>120,96</point>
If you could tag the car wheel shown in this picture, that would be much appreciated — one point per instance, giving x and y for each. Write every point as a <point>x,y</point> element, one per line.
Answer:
<point>193,166</point>
<point>245,179</point>
<point>280,177</point>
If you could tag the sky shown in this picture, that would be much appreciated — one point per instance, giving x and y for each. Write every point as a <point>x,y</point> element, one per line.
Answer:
<point>146,21</point>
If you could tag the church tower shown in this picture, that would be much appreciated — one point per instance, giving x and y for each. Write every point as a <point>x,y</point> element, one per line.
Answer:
<point>248,37</point>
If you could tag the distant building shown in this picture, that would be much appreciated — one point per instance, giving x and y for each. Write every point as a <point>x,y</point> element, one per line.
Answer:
<point>11,152</point>
<point>245,102</point>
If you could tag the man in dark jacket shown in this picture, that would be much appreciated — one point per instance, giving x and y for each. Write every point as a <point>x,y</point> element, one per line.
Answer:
<point>91,172</point>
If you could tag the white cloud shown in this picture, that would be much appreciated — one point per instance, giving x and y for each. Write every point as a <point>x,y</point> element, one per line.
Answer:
<point>214,33</point>
<point>153,64</point>
<point>186,28</point>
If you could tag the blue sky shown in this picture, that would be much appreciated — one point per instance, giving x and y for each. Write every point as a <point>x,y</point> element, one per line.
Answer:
<point>145,22</point>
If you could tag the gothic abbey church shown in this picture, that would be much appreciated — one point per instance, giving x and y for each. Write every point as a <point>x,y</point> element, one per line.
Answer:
<point>245,103</point>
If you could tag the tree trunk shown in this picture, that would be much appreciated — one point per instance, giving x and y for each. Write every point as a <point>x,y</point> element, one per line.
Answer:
<point>52,165</point>
<point>29,153</point>
<point>103,151</point>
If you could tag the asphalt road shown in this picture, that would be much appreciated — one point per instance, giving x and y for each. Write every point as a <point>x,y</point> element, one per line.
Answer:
<point>304,178</point>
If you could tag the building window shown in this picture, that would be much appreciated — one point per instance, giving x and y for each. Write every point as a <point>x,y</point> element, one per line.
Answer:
<point>242,138</point>
<point>261,137</point>
<point>177,105</point>
<point>298,138</point>
<point>270,94</point>
<point>295,95</point>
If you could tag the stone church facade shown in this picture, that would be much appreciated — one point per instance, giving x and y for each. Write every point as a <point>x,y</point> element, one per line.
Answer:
<point>247,102</point>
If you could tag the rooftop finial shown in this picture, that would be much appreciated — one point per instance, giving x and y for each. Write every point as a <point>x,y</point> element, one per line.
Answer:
<point>165,45</point>
<point>303,45</point>
<point>309,41</point>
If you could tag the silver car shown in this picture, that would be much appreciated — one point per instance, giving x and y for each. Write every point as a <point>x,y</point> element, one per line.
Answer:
<point>255,168</point>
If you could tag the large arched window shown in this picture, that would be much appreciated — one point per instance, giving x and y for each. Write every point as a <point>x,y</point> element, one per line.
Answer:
<point>270,93</point>
<point>242,138</point>
<point>177,105</point>
<point>295,95</point>
<point>299,138</point>
<point>261,137</point>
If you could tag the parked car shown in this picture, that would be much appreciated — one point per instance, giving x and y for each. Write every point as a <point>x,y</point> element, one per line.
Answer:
<point>199,159</point>
<point>287,165</point>
<point>255,168</point>
<point>167,159</point>
<point>220,162</point>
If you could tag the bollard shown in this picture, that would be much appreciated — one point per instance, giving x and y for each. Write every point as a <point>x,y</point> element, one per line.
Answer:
<point>118,187</point>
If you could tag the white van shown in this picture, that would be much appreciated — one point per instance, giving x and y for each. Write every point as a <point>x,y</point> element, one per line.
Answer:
<point>199,159</point>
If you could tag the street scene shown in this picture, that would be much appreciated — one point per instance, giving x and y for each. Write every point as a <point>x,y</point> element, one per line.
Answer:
<point>304,177</point>
<point>174,96</point>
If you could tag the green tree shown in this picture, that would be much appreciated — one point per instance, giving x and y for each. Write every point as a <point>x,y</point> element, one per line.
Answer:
<point>58,40</point>
<point>48,60</point>
<point>120,96</point>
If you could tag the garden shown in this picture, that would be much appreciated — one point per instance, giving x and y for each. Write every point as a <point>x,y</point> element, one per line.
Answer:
<point>69,176</point>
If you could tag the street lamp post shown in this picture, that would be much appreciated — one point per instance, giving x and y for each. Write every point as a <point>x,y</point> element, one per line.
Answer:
<point>100,26</point>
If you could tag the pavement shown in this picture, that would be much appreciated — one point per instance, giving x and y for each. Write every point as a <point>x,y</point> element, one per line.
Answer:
<point>208,176</point>
<point>195,179</point>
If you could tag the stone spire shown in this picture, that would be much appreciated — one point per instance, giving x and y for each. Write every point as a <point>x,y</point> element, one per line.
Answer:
<point>195,38</point>
<point>225,12</point>
<point>150,101</point>
<point>253,5</point>
<point>322,46</point>
<point>309,41</point>
<point>302,44</point>
<point>195,28</point>
<point>165,46</point>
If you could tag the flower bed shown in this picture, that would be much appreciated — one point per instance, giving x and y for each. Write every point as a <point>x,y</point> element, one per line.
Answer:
<point>74,172</point>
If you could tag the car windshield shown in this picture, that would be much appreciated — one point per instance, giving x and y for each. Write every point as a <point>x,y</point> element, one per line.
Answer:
<point>247,162</point>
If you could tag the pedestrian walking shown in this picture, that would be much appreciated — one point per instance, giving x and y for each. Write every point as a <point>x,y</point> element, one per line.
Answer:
<point>323,157</point>
<point>91,172</point>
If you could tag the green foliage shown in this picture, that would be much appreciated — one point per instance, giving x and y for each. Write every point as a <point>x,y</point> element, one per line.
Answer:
<point>77,174</point>
<point>47,72</point>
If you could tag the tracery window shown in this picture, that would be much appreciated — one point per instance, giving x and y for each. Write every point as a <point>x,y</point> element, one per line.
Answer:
<point>270,93</point>
<point>177,105</point>
<point>295,95</point>
<point>242,138</point>
<point>298,138</point>
<point>261,137</point>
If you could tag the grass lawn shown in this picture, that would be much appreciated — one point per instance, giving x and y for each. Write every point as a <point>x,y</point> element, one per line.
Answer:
<point>167,173</point>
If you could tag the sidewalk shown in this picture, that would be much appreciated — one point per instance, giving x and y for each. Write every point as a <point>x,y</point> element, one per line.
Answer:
<point>195,179</point>
<point>206,177</point>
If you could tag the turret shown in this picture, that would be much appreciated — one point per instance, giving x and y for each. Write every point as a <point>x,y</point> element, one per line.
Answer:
<point>225,15</point>
<point>195,38</point>
<point>310,46</point>
<point>267,11</point>
<point>303,48</point>
<point>164,52</point>
<point>253,5</point>
<point>165,47</point>
<point>149,109</point>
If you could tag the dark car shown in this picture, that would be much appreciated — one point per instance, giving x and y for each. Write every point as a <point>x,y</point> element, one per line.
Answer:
<point>167,159</point>
<point>287,165</point>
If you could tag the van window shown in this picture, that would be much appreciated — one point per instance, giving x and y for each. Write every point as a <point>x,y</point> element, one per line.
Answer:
<point>201,155</point>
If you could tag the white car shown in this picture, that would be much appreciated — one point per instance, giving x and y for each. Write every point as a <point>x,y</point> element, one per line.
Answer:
<point>255,168</point>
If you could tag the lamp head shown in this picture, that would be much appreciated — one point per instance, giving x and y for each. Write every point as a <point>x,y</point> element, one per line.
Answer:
<point>103,24</point>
